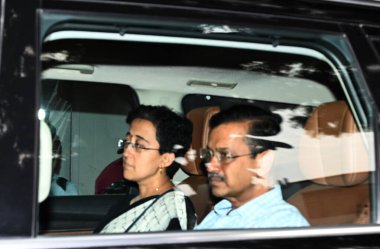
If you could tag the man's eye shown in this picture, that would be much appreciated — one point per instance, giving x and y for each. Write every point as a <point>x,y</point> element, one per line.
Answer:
<point>226,155</point>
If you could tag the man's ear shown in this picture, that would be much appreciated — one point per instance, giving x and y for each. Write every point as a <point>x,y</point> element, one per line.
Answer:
<point>166,159</point>
<point>264,162</point>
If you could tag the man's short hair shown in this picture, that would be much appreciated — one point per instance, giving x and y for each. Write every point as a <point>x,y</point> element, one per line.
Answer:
<point>262,123</point>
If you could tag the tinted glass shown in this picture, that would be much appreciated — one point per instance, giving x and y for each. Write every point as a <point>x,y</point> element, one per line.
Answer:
<point>325,171</point>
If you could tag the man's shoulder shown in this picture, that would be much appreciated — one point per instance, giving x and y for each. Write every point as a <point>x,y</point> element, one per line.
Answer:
<point>62,186</point>
<point>62,182</point>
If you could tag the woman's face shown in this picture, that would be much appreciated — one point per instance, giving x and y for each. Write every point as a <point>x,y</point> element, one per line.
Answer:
<point>141,158</point>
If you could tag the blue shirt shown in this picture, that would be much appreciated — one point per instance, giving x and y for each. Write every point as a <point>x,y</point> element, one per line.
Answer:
<point>266,211</point>
<point>63,188</point>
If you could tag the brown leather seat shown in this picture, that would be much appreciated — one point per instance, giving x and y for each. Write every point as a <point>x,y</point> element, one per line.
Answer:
<point>334,157</point>
<point>197,179</point>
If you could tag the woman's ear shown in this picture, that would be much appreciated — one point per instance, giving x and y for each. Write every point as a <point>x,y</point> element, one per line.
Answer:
<point>166,159</point>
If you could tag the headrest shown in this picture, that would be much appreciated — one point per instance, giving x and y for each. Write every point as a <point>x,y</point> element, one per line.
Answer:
<point>200,118</point>
<point>332,151</point>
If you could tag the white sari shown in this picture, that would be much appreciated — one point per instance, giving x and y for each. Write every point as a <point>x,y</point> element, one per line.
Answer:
<point>152,215</point>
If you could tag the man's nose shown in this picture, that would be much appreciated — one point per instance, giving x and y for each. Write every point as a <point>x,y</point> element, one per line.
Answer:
<point>213,165</point>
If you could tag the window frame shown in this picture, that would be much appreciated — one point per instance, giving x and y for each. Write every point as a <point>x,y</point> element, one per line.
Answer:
<point>22,86</point>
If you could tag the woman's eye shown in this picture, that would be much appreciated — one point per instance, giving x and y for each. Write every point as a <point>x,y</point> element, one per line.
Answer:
<point>140,146</point>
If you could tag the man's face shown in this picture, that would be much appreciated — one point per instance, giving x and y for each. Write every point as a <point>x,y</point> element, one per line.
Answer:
<point>231,179</point>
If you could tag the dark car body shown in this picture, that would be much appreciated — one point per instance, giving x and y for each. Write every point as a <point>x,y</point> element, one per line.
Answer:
<point>20,96</point>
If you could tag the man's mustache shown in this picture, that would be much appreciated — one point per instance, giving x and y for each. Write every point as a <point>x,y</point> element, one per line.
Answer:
<point>215,175</point>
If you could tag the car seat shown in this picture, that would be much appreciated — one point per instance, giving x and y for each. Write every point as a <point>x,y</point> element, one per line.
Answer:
<point>197,175</point>
<point>333,155</point>
<point>113,172</point>
<point>111,180</point>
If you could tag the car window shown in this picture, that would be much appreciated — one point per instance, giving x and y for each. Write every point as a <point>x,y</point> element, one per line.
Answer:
<point>85,118</point>
<point>92,78</point>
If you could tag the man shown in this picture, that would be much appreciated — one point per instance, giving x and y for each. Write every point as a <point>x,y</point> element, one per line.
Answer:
<point>60,185</point>
<point>238,158</point>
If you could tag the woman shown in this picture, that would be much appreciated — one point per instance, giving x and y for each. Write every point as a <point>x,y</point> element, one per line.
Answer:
<point>157,136</point>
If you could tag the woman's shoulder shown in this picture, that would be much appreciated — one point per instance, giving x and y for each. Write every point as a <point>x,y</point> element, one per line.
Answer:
<point>174,193</point>
<point>179,198</point>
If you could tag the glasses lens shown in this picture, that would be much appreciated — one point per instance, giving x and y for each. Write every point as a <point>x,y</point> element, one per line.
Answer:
<point>138,147</point>
<point>206,155</point>
<point>225,157</point>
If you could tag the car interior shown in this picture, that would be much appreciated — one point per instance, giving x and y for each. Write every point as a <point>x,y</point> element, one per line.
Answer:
<point>92,76</point>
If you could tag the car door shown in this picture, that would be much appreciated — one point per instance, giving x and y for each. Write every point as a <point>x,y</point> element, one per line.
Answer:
<point>19,125</point>
<point>301,55</point>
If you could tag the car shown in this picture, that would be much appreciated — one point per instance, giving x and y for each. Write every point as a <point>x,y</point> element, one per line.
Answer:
<point>71,71</point>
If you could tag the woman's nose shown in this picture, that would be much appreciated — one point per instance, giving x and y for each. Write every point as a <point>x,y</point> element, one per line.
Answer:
<point>127,149</point>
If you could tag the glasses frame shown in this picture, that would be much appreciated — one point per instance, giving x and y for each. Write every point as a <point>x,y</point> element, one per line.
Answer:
<point>207,154</point>
<point>124,143</point>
